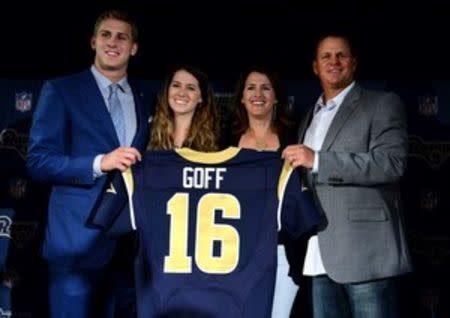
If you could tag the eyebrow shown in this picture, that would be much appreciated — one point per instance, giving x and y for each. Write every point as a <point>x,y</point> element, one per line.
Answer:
<point>187,84</point>
<point>112,31</point>
<point>255,84</point>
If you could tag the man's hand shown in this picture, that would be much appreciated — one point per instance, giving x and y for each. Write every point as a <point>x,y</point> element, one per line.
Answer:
<point>120,158</point>
<point>299,155</point>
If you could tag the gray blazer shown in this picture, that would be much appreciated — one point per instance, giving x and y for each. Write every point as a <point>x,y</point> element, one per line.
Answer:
<point>363,157</point>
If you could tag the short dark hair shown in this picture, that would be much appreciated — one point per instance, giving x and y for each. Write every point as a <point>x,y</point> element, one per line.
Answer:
<point>117,15</point>
<point>335,34</point>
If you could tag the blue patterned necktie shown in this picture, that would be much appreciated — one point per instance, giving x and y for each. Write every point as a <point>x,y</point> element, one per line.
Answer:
<point>116,111</point>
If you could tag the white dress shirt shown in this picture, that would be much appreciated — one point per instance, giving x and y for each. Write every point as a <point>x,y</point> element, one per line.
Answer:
<point>314,136</point>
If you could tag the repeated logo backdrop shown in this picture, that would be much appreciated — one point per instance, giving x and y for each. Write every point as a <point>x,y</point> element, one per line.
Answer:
<point>426,189</point>
<point>22,207</point>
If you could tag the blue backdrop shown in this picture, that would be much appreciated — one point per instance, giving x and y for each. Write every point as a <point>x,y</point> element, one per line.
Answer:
<point>23,285</point>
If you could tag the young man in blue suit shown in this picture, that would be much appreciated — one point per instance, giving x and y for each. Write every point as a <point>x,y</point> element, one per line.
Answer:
<point>353,144</point>
<point>84,128</point>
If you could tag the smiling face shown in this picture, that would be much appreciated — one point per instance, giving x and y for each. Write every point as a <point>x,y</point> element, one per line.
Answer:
<point>258,96</point>
<point>184,94</point>
<point>113,44</point>
<point>334,64</point>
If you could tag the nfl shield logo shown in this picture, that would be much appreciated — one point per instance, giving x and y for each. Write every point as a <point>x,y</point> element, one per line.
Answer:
<point>18,188</point>
<point>428,105</point>
<point>429,200</point>
<point>23,101</point>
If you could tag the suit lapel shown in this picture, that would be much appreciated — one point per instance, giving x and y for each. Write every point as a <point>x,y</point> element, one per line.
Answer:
<point>140,138</point>
<point>96,106</point>
<point>347,107</point>
<point>304,125</point>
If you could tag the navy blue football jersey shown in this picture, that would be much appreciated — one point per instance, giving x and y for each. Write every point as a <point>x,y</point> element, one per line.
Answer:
<point>207,225</point>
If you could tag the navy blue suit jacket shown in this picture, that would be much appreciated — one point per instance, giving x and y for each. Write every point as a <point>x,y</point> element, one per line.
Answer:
<point>71,125</point>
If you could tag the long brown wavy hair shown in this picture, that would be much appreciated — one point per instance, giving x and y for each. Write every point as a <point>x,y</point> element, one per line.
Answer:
<point>281,122</point>
<point>203,132</point>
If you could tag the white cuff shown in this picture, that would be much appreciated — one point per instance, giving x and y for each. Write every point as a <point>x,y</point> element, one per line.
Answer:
<point>315,168</point>
<point>96,166</point>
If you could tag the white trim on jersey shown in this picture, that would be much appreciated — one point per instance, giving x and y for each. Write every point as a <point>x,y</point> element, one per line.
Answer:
<point>285,174</point>
<point>129,185</point>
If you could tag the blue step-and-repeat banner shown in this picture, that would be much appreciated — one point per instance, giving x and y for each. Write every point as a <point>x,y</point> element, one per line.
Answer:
<point>426,188</point>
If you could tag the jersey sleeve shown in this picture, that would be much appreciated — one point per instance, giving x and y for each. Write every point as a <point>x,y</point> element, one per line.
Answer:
<point>113,211</point>
<point>297,212</point>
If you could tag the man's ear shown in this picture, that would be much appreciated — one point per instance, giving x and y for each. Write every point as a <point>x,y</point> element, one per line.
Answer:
<point>314,67</point>
<point>93,42</point>
<point>134,49</point>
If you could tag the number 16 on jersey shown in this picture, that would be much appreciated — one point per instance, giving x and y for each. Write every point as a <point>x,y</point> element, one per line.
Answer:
<point>206,233</point>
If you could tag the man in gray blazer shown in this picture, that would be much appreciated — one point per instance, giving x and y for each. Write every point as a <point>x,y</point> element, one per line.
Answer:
<point>353,146</point>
